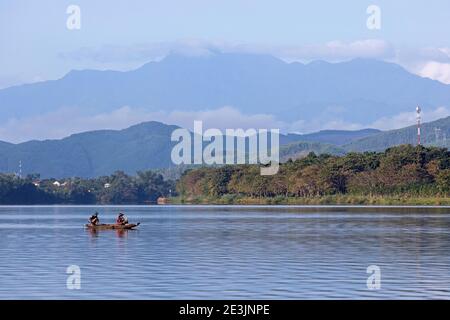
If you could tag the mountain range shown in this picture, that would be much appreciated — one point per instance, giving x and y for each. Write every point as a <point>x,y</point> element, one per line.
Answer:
<point>359,91</point>
<point>148,146</point>
<point>143,146</point>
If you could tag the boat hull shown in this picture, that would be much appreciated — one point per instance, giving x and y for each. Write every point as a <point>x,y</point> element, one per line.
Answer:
<point>129,226</point>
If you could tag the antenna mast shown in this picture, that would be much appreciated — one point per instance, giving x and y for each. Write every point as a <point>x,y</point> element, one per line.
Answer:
<point>418,116</point>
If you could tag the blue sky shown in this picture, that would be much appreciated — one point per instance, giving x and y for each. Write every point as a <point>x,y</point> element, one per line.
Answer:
<point>36,45</point>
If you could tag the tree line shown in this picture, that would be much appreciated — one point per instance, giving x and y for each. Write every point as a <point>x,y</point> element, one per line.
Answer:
<point>398,171</point>
<point>118,188</point>
<point>401,170</point>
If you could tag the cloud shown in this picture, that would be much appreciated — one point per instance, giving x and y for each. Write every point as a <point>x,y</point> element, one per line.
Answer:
<point>339,51</point>
<point>436,71</point>
<point>397,121</point>
<point>405,119</point>
<point>429,62</point>
<point>303,126</point>
<point>332,51</point>
<point>142,52</point>
<point>223,118</point>
<point>435,54</point>
<point>65,122</point>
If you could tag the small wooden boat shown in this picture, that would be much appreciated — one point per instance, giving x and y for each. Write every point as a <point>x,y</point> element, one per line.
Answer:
<point>113,226</point>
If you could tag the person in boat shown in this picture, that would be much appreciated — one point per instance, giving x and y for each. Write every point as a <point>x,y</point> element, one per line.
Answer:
<point>94,220</point>
<point>122,219</point>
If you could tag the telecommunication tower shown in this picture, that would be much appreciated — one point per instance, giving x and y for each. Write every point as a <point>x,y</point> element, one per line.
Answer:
<point>418,116</point>
<point>20,169</point>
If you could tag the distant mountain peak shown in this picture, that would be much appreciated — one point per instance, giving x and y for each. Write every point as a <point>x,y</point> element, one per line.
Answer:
<point>150,125</point>
<point>365,90</point>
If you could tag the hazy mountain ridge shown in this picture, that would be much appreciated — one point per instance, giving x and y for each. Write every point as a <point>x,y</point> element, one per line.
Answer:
<point>359,90</point>
<point>93,153</point>
<point>148,146</point>
<point>336,137</point>
<point>435,133</point>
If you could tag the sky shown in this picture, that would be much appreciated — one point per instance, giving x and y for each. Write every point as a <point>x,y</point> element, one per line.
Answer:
<point>36,45</point>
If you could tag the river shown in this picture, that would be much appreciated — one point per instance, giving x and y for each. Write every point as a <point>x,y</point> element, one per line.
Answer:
<point>226,252</point>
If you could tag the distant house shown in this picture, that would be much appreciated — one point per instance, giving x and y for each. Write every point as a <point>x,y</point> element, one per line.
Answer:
<point>37,183</point>
<point>107,185</point>
<point>57,184</point>
<point>162,200</point>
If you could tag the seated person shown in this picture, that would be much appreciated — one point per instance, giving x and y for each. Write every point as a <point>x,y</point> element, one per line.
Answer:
<point>122,219</point>
<point>94,220</point>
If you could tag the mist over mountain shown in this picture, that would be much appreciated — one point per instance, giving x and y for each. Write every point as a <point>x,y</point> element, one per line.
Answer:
<point>336,137</point>
<point>358,91</point>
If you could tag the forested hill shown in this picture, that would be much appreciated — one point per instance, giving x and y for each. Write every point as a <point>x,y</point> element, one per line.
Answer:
<point>92,154</point>
<point>399,171</point>
<point>436,133</point>
<point>148,146</point>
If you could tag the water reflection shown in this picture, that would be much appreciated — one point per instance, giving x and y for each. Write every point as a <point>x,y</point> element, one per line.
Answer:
<point>94,233</point>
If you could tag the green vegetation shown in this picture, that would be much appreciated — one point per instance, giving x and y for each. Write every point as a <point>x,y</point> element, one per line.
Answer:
<point>399,175</point>
<point>324,200</point>
<point>118,188</point>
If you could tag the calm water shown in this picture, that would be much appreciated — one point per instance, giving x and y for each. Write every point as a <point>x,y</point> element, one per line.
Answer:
<point>226,252</point>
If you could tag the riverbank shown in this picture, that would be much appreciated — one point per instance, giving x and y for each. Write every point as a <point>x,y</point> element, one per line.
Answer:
<point>323,200</point>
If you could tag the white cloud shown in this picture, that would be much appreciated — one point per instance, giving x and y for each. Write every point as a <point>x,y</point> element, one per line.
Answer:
<point>435,54</point>
<point>436,71</point>
<point>64,122</point>
<point>338,51</point>
<point>405,119</point>
<point>332,51</point>
<point>429,62</point>
<point>222,118</point>
<point>303,126</point>
<point>142,52</point>
<point>67,121</point>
